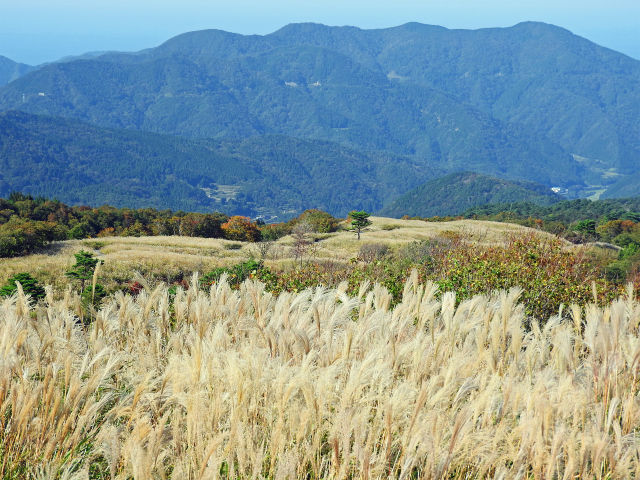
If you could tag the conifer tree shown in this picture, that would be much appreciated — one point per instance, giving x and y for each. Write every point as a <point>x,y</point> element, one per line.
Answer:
<point>83,268</point>
<point>359,221</point>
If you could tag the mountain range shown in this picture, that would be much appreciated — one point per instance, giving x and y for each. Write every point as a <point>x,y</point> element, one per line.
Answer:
<point>531,102</point>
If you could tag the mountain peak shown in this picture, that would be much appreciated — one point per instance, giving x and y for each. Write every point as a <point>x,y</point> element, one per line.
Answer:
<point>538,28</point>
<point>310,29</point>
<point>10,70</point>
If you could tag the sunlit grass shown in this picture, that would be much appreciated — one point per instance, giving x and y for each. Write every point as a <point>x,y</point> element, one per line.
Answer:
<point>244,384</point>
<point>169,257</point>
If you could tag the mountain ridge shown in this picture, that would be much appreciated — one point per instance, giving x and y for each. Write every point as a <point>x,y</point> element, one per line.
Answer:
<point>11,70</point>
<point>529,102</point>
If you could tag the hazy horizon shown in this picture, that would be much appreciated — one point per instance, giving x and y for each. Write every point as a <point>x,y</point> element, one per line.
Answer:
<point>37,31</point>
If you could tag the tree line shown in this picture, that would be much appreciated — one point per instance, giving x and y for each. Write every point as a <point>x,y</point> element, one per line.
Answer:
<point>29,223</point>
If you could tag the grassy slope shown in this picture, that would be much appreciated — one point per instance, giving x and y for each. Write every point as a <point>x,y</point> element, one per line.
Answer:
<point>167,256</point>
<point>251,385</point>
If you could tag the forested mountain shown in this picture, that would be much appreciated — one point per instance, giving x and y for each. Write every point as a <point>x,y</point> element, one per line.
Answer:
<point>457,192</point>
<point>273,176</point>
<point>566,211</point>
<point>528,102</point>
<point>10,70</point>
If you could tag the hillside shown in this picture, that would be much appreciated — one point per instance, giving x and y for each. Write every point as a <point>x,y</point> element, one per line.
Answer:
<point>449,380</point>
<point>566,211</point>
<point>530,102</point>
<point>177,256</point>
<point>457,192</point>
<point>273,176</point>
<point>10,70</point>
<point>627,186</point>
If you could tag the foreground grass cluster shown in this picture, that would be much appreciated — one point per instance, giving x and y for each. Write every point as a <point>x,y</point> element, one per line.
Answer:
<point>318,384</point>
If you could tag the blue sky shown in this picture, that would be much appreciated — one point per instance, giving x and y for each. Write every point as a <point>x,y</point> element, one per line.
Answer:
<point>35,31</point>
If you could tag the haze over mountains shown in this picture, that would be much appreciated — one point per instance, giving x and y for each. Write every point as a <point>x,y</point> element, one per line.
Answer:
<point>531,102</point>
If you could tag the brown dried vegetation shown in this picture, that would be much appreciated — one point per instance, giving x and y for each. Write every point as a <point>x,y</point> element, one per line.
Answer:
<point>245,384</point>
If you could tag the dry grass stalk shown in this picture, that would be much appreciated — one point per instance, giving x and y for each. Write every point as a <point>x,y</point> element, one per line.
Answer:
<point>244,384</point>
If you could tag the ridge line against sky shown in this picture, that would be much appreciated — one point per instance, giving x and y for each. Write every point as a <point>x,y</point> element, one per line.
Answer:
<point>38,31</point>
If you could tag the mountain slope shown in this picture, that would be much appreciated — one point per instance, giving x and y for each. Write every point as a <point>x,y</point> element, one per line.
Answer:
<point>10,70</point>
<point>396,90</point>
<point>580,95</point>
<point>268,175</point>
<point>457,192</point>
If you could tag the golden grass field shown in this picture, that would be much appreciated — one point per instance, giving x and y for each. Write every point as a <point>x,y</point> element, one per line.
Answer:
<point>165,257</point>
<point>318,385</point>
<point>245,384</point>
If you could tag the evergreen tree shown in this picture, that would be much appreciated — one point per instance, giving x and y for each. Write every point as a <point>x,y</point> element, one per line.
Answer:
<point>359,221</point>
<point>84,267</point>
<point>30,286</point>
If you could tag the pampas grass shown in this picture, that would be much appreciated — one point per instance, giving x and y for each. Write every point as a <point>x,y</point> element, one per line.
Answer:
<point>244,384</point>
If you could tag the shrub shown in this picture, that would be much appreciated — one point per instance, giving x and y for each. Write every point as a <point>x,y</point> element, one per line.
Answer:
<point>617,271</point>
<point>422,251</point>
<point>21,237</point>
<point>95,244</point>
<point>625,239</point>
<point>388,227</point>
<point>241,228</point>
<point>318,221</point>
<point>274,231</point>
<point>550,274</point>
<point>30,286</point>
<point>370,252</point>
<point>236,274</point>
<point>80,230</point>
<point>93,296</point>
<point>135,288</point>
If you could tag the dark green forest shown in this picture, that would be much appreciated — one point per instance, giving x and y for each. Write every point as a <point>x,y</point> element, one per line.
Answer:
<point>274,177</point>
<point>567,211</point>
<point>454,193</point>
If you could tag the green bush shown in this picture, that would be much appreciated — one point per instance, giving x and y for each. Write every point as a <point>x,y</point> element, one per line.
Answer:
<point>236,274</point>
<point>21,237</point>
<point>93,297</point>
<point>630,251</point>
<point>30,286</point>
<point>319,221</point>
<point>617,271</point>
<point>549,274</point>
